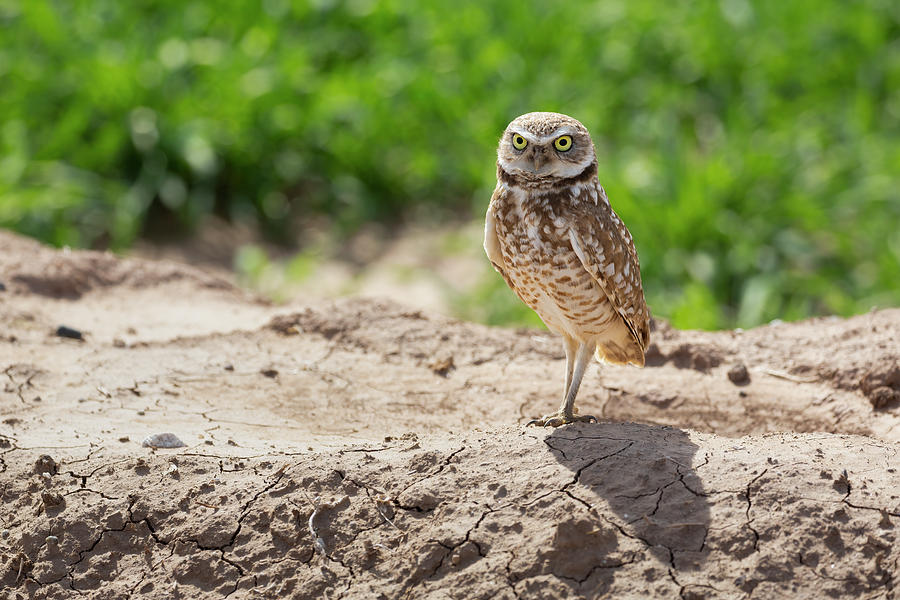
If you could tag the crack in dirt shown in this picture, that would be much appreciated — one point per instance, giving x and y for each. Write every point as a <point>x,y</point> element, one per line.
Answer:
<point>450,548</point>
<point>29,374</point>
<point>509,575</point>
<point>576,478</point>
<point>82,490</point>
<point>671,571</point>
<point>883,511</point>
<point>435,473</point>
<point>748,497</point>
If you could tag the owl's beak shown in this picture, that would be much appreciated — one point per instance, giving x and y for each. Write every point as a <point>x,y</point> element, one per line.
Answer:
<point>538,158</point>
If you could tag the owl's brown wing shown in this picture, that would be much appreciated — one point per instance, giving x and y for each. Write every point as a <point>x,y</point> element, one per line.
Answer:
<point>492,243</point>
<point>606,250</point>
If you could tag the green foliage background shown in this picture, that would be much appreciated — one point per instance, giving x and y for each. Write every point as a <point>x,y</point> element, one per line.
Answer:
<point>752,147</point>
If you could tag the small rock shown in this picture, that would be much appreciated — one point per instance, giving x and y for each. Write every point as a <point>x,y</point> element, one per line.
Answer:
<point>739,375</point>
<point>4,534</point>
<point>162,440</point>
<point>442,365</point>
<point>842,483</point>
<point>46,464</point>
<point>68,332</point>
<point>464,554</point>
<point>124,439</point>
<point>270,373</point>
<point>51,498</point>
<point>882,397</point>
<point>881,385</point>
<point>52,540</point>
<point>2,287</point>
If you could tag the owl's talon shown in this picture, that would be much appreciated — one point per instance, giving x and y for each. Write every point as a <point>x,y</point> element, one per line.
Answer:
<point>557,419</point>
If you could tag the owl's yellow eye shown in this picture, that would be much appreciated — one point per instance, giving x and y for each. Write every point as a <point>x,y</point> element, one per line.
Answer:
<point>563,143</point>
<point>519,142</point>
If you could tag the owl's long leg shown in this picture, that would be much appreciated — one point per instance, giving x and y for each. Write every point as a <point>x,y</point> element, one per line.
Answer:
<point>566,413</point>
<point>571,347</point>
<point>582,359</point>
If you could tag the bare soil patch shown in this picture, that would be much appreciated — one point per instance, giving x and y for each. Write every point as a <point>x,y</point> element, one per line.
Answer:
<point>361,449</point>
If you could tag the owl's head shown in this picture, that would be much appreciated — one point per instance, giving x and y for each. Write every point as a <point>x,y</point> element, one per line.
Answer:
<point>545,146</point>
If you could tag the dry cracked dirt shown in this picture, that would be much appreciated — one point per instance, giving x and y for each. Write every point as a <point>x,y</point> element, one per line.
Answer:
<point>360,449</point>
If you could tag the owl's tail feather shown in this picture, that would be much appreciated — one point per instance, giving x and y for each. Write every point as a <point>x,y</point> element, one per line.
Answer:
<point>615,354</point>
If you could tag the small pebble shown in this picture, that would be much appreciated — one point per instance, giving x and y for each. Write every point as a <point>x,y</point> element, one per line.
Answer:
<point>739,375</point>
<point>51,498</point>
<point>162,440</point>
<point>68,332</point>
<point>442,365</point>
<point>4,534</point>
<point>124,439</point>
<point>46,464</point>
<point>2,287</point>
<point>52,539</point>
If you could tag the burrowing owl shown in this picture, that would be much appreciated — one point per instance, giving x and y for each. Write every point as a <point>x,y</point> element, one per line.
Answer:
<point>552,234</point>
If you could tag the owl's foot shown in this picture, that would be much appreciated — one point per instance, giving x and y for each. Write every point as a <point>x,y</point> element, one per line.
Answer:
<point>560,418</point>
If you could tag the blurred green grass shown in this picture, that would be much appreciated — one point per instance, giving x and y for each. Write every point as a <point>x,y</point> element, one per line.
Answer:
<point>751,147</point>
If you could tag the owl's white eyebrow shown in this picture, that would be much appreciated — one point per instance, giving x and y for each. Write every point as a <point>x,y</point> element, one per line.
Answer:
<point>564,130</point>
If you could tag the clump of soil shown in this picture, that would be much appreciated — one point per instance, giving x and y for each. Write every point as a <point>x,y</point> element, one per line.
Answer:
<point>361,449</point>
<point>881,385</point>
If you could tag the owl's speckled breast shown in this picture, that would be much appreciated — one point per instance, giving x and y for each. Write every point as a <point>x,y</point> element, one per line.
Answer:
<point>543,269</point>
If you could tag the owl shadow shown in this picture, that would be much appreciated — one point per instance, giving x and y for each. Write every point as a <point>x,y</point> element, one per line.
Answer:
<point>641,481</point>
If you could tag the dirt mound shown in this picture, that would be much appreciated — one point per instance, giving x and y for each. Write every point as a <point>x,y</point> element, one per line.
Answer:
<point>30,267</point>
<point>361,449</point>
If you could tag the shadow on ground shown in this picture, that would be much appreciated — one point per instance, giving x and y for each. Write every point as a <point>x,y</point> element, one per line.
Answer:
<point>646,476</point>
